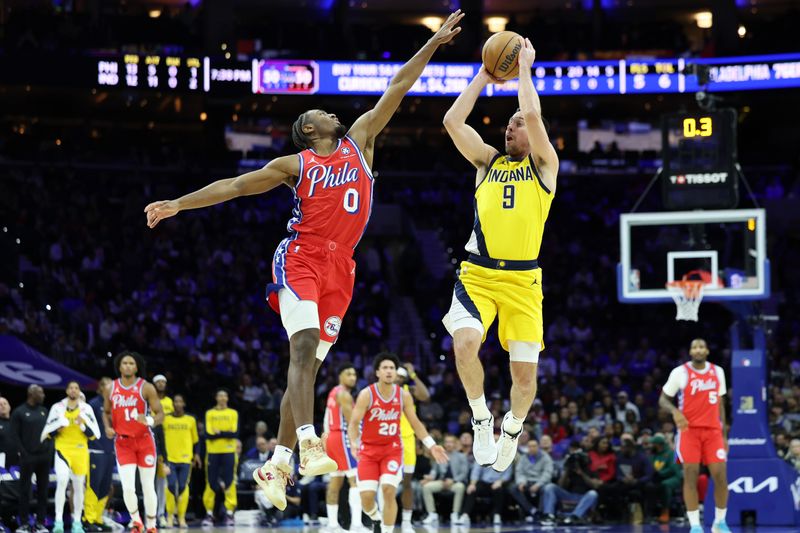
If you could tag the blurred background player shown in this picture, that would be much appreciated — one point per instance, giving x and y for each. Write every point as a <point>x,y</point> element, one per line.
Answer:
<point>502,275</point>
<point>702,434</point>
<point>337,414</point>
<point>101,465</point>
<point>325,232</point>
<point>130,412</point>
<point>181,444</point>
<point>222,430</point>
<point>409,380</point>
<point>35,457</point>
<point>378,446</point>
<point>71,424</point>
<point>160,383</point>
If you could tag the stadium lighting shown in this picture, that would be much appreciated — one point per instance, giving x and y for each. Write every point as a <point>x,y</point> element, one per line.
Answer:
<point>742,31</point>
<point>704,19</point>
<point>432,23</point>
<point>154,13</point>
<point>496,24</point>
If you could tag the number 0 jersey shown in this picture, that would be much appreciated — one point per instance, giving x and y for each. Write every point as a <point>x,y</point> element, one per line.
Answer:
<point>381,423</point>
<point>333,195</point>
<point>511,207</point>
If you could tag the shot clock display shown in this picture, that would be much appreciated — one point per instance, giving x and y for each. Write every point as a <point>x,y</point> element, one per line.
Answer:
<point>699,157</point>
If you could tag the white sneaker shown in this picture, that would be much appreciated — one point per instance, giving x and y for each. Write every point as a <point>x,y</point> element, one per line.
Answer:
<point>408,528</point>
<point>507,447</point>
<point>454,519</point>
<point>465,521</point>
<point>272,479</point>
<point>313,459</point>
<point>498,521</point>
<point>432,518</point>
<point>484,447</point>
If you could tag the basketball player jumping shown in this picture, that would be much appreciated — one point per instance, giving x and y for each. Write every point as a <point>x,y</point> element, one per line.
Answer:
<point>702,434</point>
<point>313,269</point>
<point>502,277</point>
<point>130,411</point>
<point>378,446</point>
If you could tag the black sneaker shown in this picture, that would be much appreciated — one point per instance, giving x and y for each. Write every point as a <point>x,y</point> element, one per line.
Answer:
<point>548,520</point>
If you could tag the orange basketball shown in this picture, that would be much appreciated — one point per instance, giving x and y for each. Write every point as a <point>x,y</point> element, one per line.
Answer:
<point>501,54</point>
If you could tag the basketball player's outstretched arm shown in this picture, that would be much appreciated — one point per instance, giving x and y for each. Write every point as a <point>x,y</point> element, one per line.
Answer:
<point>544,154</point>
<point>420,431</point>
<point>371,123</point>
<point>467,140</point>
<point>277,171</point>
<point>354,424</point>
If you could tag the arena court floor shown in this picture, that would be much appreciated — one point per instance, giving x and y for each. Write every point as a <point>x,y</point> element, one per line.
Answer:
<point>519,528</point>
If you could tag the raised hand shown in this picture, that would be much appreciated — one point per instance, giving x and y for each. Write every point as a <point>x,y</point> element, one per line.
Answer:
<point>449,29</point>
<point>527,55</point>
<point>158,211</point>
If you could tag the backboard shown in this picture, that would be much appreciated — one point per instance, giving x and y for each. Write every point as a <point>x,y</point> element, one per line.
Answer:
<point>726,249</point>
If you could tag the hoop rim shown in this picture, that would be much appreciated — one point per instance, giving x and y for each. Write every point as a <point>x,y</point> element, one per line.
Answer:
<point>692,288</point>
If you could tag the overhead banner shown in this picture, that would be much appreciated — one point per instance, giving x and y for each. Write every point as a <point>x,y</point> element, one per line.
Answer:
<point>21,365</point>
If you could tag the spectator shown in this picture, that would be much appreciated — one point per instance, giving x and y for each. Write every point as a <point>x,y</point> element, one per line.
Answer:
<point>486,481</point>
<point>602,460</point>
<point>262,450</point>
<point>556,429</point>
<point>667,477</point>
<point>261,430</point>
<point>793,457</point>
<point>782,444</point>
<point>9,455</point>
<point>546,444</point>
<point>577,485</point>
<point>36,457</point>
<point>466,446</point>
<point>311,489</point>
<point>532,471</point>
<point>634,472</point>
<point>623,405</point>
<point>451,477</point>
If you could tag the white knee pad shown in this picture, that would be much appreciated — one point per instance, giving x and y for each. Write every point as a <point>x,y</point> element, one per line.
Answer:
<point>524,352</point>
<point>297,315</point>
<point>323,349</point>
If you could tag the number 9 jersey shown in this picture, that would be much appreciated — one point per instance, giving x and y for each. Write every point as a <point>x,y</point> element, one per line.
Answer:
<point>332,206</point>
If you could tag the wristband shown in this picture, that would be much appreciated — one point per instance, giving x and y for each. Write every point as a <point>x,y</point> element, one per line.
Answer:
<point>429,442</point>
<point>150,420</point>
<point>414,376</point>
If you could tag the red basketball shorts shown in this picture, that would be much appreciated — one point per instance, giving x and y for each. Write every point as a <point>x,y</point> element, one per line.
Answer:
<point>380,465</point>
<point>338,449</point>
<point>317,270</point>
<point>700,445</point>
<point>140,450</point>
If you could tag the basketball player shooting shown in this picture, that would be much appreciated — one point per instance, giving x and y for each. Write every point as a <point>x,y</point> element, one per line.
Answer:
<point>502,277</point>
<point>313,270</point>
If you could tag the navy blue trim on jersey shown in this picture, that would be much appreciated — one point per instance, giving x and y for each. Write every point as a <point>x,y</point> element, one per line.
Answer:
<point>538,177</point>
<point>466,301</point>
<point>503,264</point>
<point>488,167</point>
<point>479,231</point>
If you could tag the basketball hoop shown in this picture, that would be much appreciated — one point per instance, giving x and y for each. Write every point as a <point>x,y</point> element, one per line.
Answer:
<point>687,294</point>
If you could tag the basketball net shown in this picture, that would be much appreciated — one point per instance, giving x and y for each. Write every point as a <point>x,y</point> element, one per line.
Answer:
<point>687,295</point>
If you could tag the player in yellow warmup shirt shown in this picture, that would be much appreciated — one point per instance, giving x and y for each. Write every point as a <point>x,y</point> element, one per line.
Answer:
<point>222,430</point>
<point>71,423</point>
<point>181,442</point>
<point>501,277</point>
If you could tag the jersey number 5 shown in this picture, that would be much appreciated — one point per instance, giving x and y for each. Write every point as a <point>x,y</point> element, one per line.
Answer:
<point>712,397</point>
<point>508,197</point>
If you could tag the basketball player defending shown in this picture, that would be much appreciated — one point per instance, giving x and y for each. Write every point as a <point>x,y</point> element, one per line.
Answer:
<point>130,412</point>
<point>702,434</point>
<point>502,277</point>
<point>380,450</point>
<point>71,423</point>
<point>337,414</point>
<point>408,380</point>
<point>332,183</point>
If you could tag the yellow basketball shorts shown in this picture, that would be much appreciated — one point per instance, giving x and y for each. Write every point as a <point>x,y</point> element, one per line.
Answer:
<point>77,459</point>
<point>513,296</point>
<point>409,453</point>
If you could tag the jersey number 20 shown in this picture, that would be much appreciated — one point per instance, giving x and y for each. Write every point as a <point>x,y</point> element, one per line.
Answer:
<point>390,430</point>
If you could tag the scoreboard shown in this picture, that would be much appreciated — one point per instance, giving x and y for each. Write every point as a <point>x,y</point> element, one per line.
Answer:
<point>303,76</point>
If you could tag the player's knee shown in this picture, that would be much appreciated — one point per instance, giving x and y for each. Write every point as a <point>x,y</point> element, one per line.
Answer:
<point>466,343</point>
<point>304,347</point>
<point>388,491</point>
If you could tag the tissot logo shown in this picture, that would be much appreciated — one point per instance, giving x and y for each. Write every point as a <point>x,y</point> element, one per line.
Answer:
<point>746,485</point>
<point>699,179</point>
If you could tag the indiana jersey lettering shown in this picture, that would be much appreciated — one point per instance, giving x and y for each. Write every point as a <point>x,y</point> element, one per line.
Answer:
<point>511,207</point>
<point>127,403</point>
<point>699,401</point>
<point>333,195</point>
<point>381,424</point>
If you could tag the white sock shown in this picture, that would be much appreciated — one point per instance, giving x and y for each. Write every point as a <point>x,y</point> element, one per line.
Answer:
<point>479,409</point>
<point>694,517</point>
<point>387,529</point>
<point>306,432</point>
<point>282,455</point>
<point>407,514</point>
<point>354,498</point>
<point>374,514</point>
<point>719,515</point>
<point>333,515</point>
<point>511,424</point>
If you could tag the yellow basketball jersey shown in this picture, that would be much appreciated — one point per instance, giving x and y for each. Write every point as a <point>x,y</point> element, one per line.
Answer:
<point>221,421</point>
<point>406,430</point>
<point>180,436</point>
<point>166,405</point>
<point>71,437</point>
<point>511,207</point>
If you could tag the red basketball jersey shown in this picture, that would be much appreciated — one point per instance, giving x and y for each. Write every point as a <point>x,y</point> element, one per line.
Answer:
<point>381,425</point>
<point>699,401</point>
<point>333,195</point>
<point>334,419</point>
<point>127,403</point>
